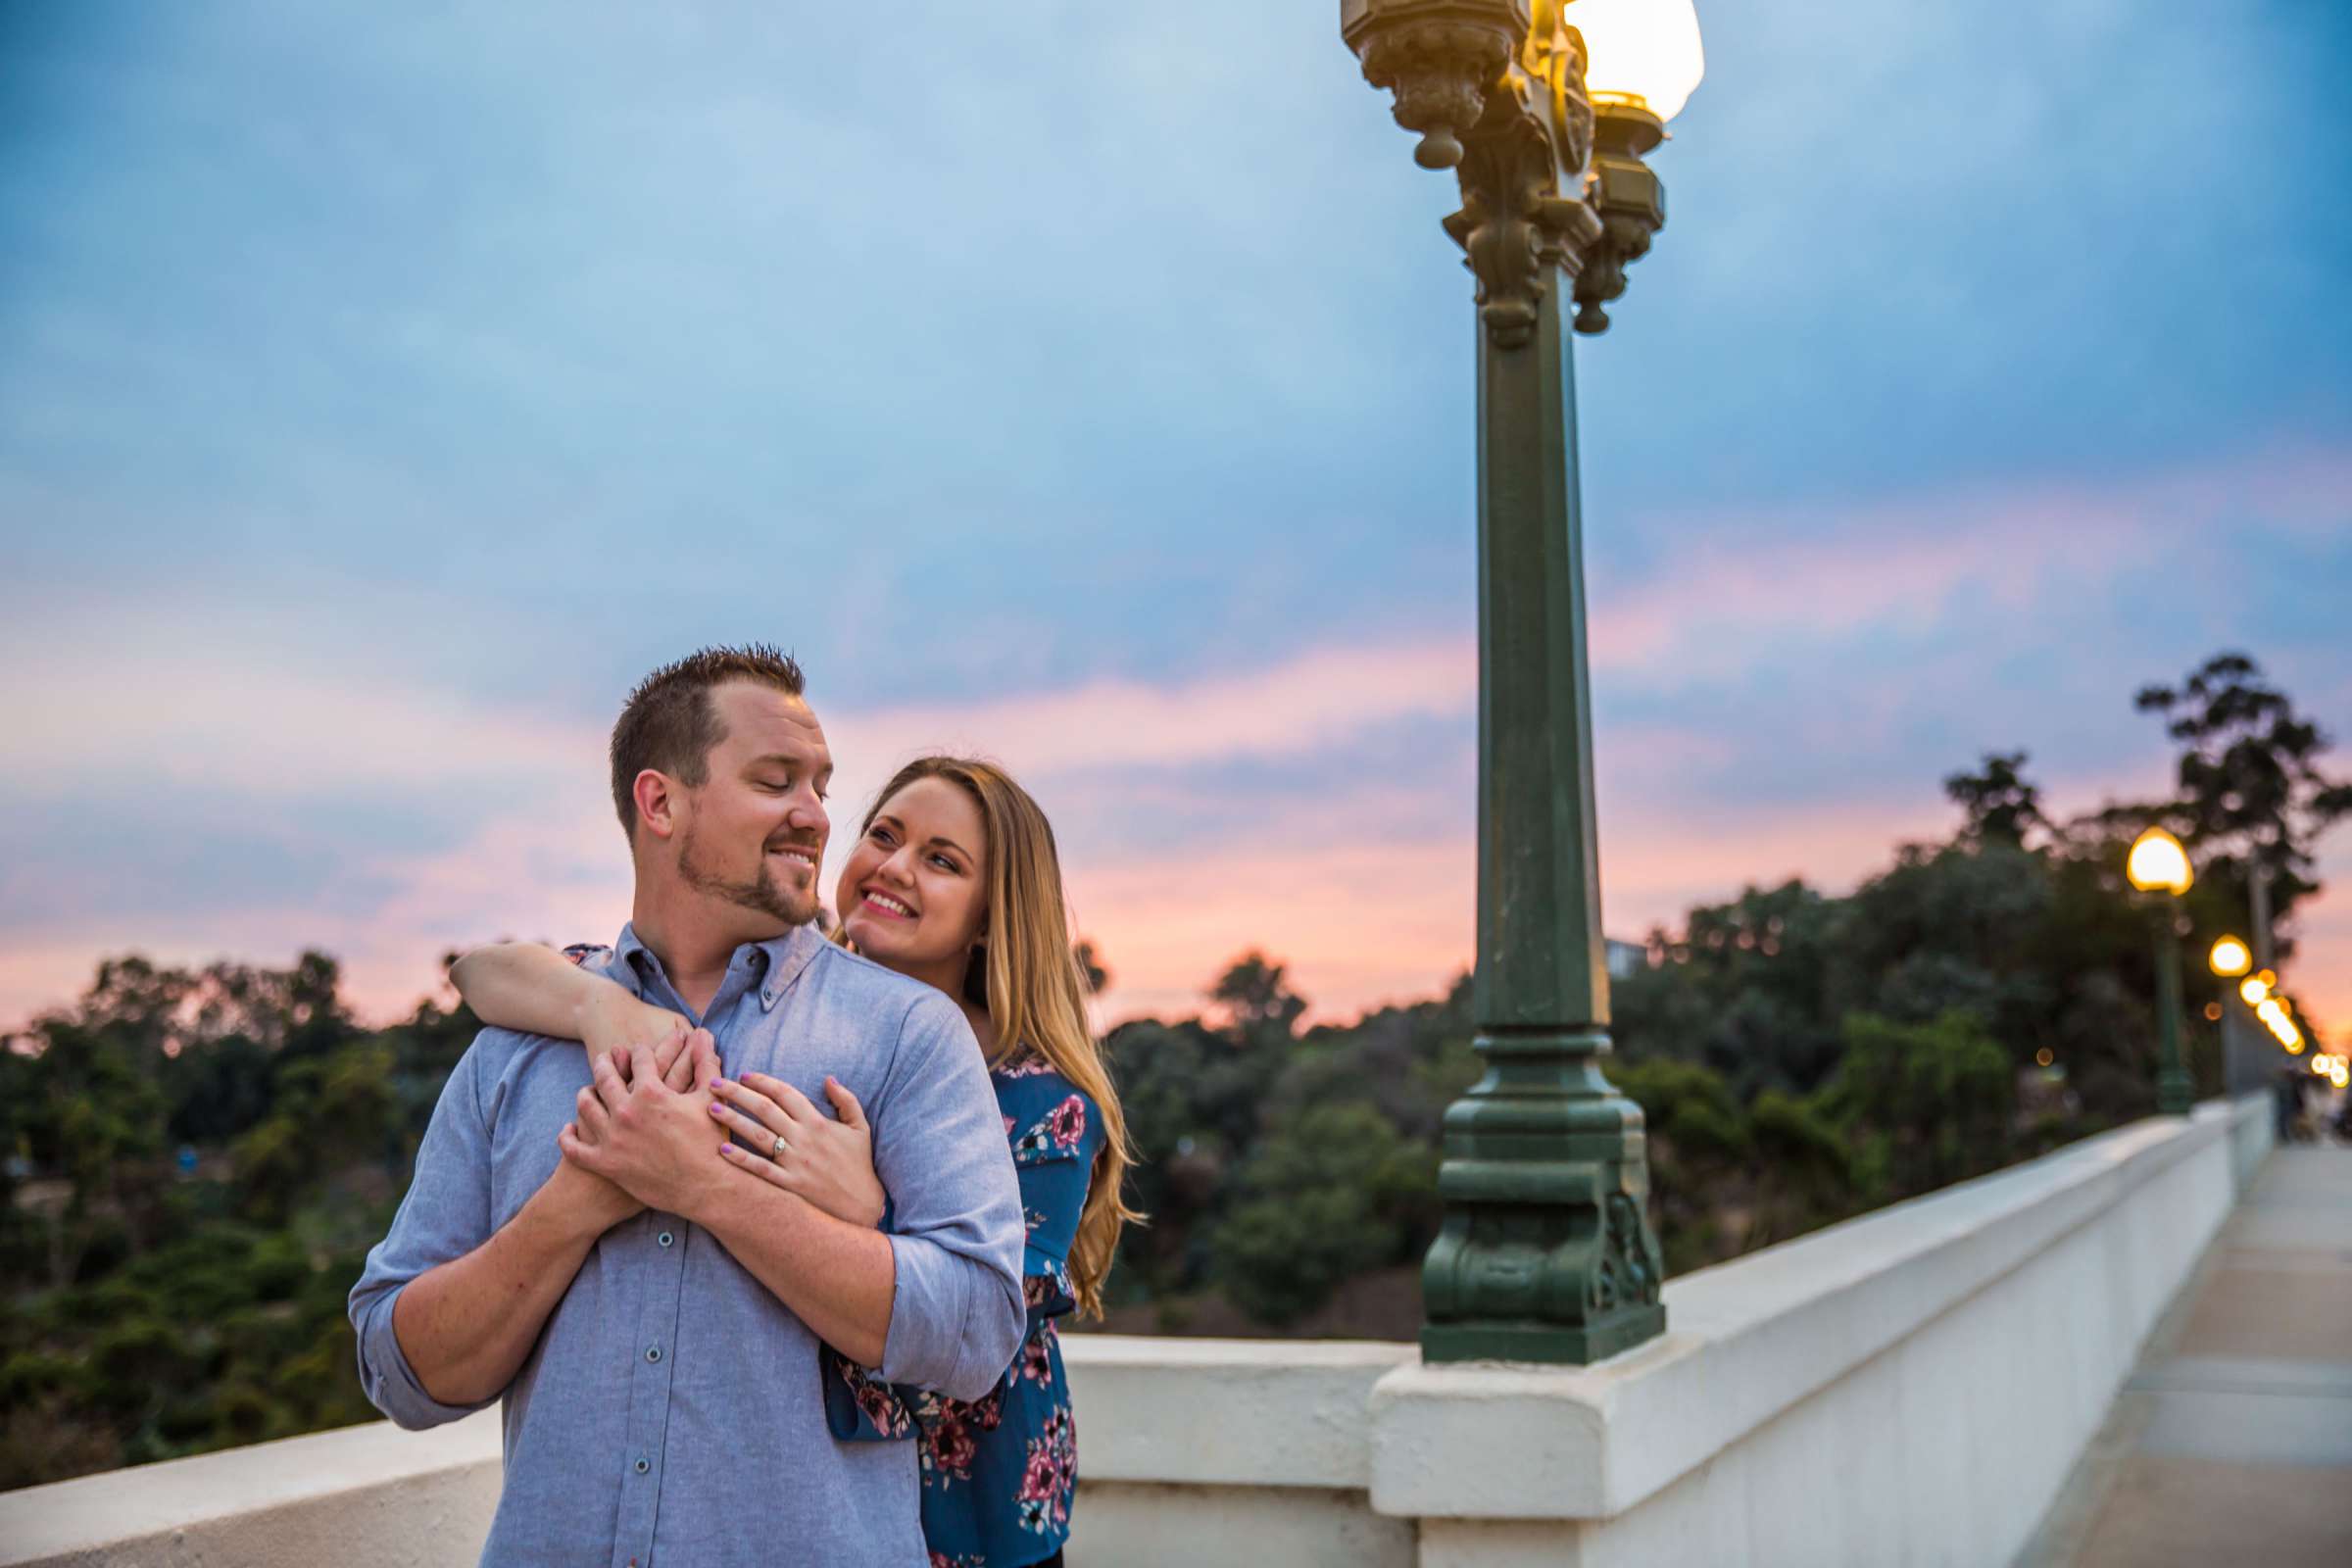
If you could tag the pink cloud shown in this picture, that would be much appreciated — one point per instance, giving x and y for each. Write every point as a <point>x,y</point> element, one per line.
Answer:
<point>1366,888</point>
<point>1899,561</point>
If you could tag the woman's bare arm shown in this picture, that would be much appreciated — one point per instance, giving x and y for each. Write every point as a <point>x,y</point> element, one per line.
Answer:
<point>521,984</point>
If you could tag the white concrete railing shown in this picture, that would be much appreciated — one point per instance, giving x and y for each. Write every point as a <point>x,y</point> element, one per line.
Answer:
<point>1912,1386</point>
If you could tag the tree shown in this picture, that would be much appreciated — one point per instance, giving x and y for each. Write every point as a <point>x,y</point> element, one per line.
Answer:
<point>1928,1102</point>
<point>1743,989</point>
<point>1999,804</point>
<point>1323,1198</point>
<point>2252,795</point>
<point>1253,995</point>
<point>1090,968</point>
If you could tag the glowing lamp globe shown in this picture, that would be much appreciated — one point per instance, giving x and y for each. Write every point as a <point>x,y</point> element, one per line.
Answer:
<point>1643,52</point>
<point>2231,957</point>
<point>2158,863</point>
<point>2253,991</point>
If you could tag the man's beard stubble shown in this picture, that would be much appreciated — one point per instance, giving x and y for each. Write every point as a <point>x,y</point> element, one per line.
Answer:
<point>761,892</point>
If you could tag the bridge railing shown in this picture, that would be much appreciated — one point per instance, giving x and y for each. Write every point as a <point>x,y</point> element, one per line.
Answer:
<point>1914,1385</point>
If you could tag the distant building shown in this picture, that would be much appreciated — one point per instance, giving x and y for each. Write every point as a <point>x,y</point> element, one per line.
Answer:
<point>1624,958</point>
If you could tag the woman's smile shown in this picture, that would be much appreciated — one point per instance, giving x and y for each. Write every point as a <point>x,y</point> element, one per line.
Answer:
<point>888,905</point>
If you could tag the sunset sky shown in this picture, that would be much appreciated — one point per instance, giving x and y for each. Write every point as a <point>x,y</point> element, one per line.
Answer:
<point>382,389</point>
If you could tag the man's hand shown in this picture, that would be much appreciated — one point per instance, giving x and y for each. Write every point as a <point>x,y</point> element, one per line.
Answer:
<point>576,1190</point>
<point>651,1133</point>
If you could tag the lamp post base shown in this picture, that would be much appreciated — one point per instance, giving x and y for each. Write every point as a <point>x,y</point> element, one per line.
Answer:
<point>2175,1096</point>
<point>1542,1343</point>
<point>1546,1254</point>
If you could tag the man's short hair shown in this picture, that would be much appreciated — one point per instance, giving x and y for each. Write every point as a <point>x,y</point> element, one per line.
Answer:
<point>670,722</point>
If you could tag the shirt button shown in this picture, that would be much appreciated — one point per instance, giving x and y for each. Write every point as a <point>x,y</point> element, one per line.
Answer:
<point>652,1352</point>
<point>643,1465</point>
<point>664,1238</point>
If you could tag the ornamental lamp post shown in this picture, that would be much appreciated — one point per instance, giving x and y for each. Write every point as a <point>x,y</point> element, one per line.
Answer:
<point>2241,1071</point>
<point>1544,109</point>
<point>2159,864</point>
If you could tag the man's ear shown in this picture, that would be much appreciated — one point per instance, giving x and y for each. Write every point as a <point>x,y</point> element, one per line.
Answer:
<point>657,800</point>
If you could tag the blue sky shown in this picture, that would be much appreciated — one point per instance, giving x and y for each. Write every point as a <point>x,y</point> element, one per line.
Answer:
<point>381,391</point>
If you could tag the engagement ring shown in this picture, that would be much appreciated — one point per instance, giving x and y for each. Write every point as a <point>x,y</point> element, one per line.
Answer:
<point>777,1152</point>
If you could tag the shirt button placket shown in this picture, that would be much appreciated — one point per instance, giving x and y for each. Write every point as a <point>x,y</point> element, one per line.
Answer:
<point>654,1365</point>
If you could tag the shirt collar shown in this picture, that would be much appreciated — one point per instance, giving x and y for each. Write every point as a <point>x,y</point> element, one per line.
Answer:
<point>771,965</point>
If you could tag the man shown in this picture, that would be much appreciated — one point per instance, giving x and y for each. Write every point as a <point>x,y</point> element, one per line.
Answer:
<point>654,1326</point>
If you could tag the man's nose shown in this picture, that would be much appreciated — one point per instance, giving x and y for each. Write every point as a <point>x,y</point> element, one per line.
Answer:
<point>808,814</point>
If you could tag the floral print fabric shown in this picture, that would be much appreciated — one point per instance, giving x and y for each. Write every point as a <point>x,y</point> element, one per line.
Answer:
<point>998,1473</point>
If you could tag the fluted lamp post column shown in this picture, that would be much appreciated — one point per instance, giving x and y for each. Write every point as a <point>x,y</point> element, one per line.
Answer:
<point>1547,1252</point>
<point>2159,867</point>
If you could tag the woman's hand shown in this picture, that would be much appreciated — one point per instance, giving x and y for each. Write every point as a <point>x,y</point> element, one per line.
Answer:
<point>611,1021</point>
<point>828,1162</point>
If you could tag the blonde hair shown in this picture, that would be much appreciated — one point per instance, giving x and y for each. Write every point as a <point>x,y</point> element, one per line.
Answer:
<point>1024,973</point>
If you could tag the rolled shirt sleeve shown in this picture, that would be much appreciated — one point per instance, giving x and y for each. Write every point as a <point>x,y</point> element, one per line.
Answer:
<point>445,1215</point>
<point>956,1315</point>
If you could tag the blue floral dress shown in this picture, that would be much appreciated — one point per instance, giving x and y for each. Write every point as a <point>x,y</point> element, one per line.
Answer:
<point>999,1472</point>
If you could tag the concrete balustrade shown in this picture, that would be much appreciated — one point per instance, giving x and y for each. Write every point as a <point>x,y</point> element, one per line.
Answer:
<point>1909,1386</point>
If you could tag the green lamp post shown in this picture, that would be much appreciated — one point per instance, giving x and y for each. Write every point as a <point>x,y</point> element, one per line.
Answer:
<point>2159,867</point>
<point>1547,1252</point>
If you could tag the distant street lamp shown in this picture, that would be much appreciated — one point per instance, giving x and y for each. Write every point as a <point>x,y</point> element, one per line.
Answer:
<point>2159,864</point>
<point>1543,107</point>
<point>2242,1069</point>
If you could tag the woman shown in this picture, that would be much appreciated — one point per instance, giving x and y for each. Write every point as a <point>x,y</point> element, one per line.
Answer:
<point>953,881</point>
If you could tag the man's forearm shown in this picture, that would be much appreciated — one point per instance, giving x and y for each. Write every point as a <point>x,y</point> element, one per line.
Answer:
<point>467,1326</point>
<point>838,1278</point>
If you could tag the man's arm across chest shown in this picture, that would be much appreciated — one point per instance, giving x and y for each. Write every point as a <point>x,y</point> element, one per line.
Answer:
<point>937,1301</point>
<point>454,1299</point>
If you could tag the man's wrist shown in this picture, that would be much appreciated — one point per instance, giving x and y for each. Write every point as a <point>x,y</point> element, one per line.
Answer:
<point>579,1205</point>
<point>734,1200</point>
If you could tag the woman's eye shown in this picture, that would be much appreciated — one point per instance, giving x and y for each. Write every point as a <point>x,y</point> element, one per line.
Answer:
<point>944,862</point>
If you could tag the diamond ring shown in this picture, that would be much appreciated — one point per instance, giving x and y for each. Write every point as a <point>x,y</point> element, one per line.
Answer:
<point>777,1152</point>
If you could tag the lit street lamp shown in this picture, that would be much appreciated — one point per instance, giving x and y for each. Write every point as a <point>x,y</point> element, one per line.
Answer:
<point>2230,957</point>
<point>1544,109</point>
<point>2159,864</point>
<point>2241,1067</point>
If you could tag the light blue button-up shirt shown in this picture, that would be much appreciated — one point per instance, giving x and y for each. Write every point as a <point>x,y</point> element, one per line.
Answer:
<point>671,1411</point>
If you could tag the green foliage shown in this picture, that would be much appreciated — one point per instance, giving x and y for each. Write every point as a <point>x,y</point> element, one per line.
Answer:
<point>1256,999</point>
<point>1939,1092</point>
<point>1323,1198</point>
<point>1997,806</point>
<point>151,1310</point>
